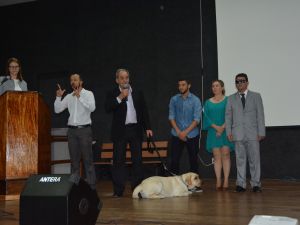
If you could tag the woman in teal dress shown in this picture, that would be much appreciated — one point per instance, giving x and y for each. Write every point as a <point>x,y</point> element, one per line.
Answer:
<point>217,142</point>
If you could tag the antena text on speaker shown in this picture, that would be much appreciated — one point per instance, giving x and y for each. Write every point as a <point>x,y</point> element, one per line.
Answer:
<point>50,179</point>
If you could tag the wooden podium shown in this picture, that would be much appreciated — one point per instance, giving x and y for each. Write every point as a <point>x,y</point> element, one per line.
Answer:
<point>25,141</point>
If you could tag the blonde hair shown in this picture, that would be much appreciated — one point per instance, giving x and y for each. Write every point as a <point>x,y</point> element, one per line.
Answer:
<point>221,84</point>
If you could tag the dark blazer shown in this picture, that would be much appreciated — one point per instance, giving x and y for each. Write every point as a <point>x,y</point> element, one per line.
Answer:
<point>119,111</point>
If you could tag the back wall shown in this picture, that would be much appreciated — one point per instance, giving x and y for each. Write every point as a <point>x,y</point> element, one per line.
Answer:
<point>158,41</point>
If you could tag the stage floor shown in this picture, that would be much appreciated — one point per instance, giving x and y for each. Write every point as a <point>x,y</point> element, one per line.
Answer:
<point>279,198</point>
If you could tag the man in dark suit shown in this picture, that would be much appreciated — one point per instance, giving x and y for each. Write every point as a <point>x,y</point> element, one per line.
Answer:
<point>130,120</point>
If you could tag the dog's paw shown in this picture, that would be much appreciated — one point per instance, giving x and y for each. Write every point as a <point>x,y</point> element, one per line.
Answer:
<point>140,195</point>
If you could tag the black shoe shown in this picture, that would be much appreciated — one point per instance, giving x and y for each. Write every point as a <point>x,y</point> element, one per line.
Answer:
<point>239,189</point>
<point>196,190</point>
<point>256,189</point>
<point>117,195</point>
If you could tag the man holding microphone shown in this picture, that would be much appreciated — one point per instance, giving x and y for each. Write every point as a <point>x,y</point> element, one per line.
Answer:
<point>130,120</point>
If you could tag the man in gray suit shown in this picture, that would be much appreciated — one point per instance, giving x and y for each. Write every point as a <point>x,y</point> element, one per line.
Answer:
<point>245,126</point>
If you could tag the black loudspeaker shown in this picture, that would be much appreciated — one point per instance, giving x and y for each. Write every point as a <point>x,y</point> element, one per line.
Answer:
<point>54,200</point>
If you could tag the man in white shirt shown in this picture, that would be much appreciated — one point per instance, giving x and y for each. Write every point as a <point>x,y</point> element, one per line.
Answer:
<point>80,104</point>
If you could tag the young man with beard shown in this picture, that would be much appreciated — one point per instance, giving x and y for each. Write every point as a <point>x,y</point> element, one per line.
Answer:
<point>80,104</point>
<point>184,115</point>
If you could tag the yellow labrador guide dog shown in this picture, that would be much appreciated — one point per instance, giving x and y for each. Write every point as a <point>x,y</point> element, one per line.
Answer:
<point>163,187</point>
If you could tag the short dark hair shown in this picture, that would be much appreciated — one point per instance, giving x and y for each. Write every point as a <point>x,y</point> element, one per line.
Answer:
<point>242,75</point>
<point>184,79</point>
<point>72,74</point>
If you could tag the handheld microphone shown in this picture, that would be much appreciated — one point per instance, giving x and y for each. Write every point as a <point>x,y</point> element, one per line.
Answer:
<point>125,87</point>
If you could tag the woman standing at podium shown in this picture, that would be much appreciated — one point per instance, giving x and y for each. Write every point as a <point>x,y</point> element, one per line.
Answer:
<point>14,81</point>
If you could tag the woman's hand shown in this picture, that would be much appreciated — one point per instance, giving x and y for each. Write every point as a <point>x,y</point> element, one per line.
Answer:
<point>219,129</point>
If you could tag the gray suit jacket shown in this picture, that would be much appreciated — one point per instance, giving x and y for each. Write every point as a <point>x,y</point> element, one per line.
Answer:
<point>248,123</point>
<point>9,85</point>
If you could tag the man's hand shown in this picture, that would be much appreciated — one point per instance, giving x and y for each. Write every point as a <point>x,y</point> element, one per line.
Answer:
<point>260,138</point>
<point>124,94</point>
<point>149,133</point>
<point>230,137</point>
<point>59,91</point>
<point>182,135</point>
<point>77,90</point>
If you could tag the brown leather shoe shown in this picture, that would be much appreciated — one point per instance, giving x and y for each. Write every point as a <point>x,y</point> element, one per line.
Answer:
<point>219,188</point>
<point>225,188</point>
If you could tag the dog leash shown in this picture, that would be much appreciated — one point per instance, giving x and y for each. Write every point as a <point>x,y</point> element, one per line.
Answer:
<point>151,147</point>
<point>203,163</point>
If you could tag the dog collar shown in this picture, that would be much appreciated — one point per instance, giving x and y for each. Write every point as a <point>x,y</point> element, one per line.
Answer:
<point>183,182</point>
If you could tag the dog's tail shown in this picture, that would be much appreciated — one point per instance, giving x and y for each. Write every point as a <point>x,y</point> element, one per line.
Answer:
<point>137,192</point>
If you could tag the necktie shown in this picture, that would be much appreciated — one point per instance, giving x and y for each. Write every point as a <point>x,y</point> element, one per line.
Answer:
<point>243,100</point>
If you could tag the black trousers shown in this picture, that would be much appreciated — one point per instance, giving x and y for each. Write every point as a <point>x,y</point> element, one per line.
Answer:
<point>119,170</point>
<point>177,146</point>
<point>80,145</point>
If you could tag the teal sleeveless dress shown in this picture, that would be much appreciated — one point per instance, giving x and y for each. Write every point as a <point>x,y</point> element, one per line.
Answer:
<point>214,113</point>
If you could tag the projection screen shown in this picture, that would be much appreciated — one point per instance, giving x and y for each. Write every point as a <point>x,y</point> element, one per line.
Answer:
<point>262,39</point>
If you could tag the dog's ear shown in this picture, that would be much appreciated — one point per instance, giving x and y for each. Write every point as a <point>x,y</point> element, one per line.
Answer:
<point>188,180</point>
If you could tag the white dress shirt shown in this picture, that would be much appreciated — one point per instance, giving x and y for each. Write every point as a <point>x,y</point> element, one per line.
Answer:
<point>245,92</point>
<point>79,108</point>
<point>17,86</point>
<point>131,113</point>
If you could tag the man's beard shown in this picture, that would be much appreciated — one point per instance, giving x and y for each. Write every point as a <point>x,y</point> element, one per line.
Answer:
<point>184,92</point>
<point>125,86</point>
